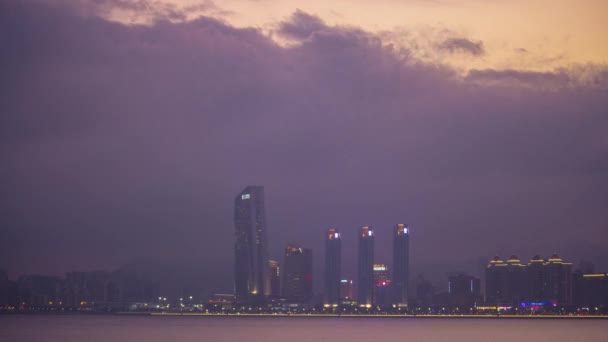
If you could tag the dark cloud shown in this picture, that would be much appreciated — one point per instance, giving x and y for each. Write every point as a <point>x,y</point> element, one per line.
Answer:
<point>129,141</point>
<point>462,45</point>
<point>530,78</point>
<point>301,25</point>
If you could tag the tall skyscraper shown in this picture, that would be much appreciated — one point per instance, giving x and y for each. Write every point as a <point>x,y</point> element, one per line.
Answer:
<point>333,247</point>
<point>401,264</point>
<point>297,274</point>
<point>365,283</point>
<point>275,278</point>
<point>251,248</point>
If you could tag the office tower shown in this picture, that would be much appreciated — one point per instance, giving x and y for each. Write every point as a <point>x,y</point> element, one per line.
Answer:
<point>365,283</point>
<point>557,281</point>
<point>463,290</point>
<point>297,274</point>
<point>275,278</point>
<point>251,249</point>
<point>332,267</point>
<point>401,265</point>
<point>382,285</point>
<point>346,290</point>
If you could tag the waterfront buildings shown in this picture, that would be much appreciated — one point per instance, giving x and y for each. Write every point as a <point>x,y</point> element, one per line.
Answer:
<point>251,247</point>
<point>365,280</point>
<point>401,265</point>
<point>297,274</point>
<point>333,252</point>
<point>512,283</point>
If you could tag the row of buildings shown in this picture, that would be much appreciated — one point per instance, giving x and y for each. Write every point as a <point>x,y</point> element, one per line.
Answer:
<point>509,283</point>
<point>258,279</point>
<point>81,290</point>
<point>543,282</point>
<point>375,285</point>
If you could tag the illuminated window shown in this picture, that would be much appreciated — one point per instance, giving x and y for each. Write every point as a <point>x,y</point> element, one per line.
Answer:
<point>245,196</point>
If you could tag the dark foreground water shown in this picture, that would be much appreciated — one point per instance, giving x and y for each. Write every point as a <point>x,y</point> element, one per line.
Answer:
<point>184,329</point>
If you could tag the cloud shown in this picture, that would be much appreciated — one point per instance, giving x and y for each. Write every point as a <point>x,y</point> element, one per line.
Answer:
<point>529,78</point>
<point>301,25</point>
<point>463,45</point>
<point>128,141</point>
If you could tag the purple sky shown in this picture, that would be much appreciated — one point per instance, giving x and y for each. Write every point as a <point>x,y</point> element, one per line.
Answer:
<point>124,142</point>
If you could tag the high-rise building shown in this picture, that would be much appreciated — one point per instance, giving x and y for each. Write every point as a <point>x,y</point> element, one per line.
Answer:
<point>496,282</point>
<point>517,273</point>
<point>401,265</point>
<point>590,289</point>
<point>382,285</point>
<point>506,282</point>
<point>275,278</point>
<point>346,290</point>
<point>297,274</point>
<point>365,283</point>
<point>463,290</point>
<point>557,281</point>
<point>535,279</point>
<point>332,267</point>
<point>251,247</point>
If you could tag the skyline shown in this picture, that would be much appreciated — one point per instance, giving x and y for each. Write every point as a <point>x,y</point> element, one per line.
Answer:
<point>123,143</point>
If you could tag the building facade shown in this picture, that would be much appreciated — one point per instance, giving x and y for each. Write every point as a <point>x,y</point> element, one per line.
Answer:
<point>297,274</point>
<point>557,281</point>
<point>251,247</point>
<point>346,290</point>
<point>401,265</point>
<point>365,280</point>
<point>275,278</point>
<point>463,291</point>
<point>382,286</point>
<point>333,250</point>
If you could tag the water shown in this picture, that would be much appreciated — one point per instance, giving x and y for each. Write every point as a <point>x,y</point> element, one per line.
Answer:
<point>66,328</point>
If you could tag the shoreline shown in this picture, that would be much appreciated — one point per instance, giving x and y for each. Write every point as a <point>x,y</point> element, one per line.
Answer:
<point>296,315</point>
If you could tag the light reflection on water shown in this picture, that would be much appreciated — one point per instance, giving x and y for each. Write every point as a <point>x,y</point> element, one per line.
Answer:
<point>151,329</point>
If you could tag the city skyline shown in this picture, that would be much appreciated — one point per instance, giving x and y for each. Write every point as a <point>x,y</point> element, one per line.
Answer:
<point>123,145</point>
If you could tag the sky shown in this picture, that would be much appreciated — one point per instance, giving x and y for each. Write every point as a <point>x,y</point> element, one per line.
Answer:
<point>128,128</point>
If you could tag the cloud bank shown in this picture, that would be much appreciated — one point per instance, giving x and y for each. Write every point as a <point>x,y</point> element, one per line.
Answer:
<point>130,141</point>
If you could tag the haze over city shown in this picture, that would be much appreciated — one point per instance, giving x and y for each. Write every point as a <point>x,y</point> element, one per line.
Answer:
<point>129,127</point>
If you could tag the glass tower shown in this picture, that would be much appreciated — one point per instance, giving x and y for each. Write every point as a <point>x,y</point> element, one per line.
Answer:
<point>332,267</point>
<point>365,286</point>
<point>251,247</point>
<point>297,274</point>
<point>401,264</point>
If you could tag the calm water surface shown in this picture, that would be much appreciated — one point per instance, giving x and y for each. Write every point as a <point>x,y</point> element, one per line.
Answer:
<point>234,329</point>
